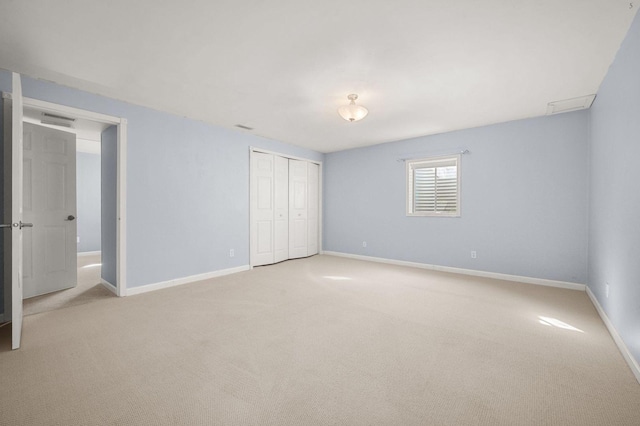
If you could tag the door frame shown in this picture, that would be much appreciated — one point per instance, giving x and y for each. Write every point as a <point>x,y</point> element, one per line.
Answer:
<point>121,185</point>
<point>253,149</point>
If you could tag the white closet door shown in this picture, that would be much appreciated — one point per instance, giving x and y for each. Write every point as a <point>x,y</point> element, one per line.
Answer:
<point>313,210</point>
<point>281,226</point>
<point>262,208</point>
<point>298,231</point>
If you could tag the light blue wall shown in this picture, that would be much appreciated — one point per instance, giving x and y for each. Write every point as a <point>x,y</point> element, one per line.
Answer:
<point>109,194</point>
<point>88,201</point>
<point>187,186</point>
<point>523,200</point>
<point>614,208</point>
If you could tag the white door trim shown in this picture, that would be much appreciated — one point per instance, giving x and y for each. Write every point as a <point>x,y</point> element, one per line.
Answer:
<point>121,203</point>
<point>320,234</point>
<point>253,149</point>
<point>17,288</point>
<point>121,207</point>
<point>291,157</point>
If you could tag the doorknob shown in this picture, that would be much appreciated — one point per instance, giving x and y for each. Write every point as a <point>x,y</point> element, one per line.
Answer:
<point>16,225</point>
<point>70,217</point>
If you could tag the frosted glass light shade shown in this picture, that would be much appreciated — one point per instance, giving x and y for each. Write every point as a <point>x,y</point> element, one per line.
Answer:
<point>352,112</point>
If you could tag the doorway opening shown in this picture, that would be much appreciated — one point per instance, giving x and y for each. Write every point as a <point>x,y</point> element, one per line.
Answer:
<point>99,245</point>
<point>83,281</point>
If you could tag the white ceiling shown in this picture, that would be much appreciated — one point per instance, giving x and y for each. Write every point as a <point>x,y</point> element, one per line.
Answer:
<point>283,67</point>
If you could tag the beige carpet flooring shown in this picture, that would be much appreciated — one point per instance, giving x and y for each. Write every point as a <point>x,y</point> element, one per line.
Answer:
<point>322,341</point>
<point>88,289</point>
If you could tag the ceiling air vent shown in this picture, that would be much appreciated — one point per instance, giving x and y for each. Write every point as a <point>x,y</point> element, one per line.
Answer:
<point>575,104</point>
<point>57,117</point>
<point>57,120</point>
<point>241,126</point>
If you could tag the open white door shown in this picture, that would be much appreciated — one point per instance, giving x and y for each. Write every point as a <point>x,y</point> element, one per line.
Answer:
<point>49,202</point>
<point>16,212</point>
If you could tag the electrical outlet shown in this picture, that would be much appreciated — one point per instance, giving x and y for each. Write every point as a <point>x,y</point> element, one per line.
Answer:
<point>232,253</point>
<point>606,289</point>
<point>364,244</point>
<point>78,240</point>
<point>474,254</point>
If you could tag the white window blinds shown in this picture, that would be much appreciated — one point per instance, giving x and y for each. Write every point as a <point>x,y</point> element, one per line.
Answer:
<point>433,187</point>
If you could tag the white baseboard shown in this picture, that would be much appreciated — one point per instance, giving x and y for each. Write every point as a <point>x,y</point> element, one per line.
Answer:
<point>179,281</point>
<point>109,286</point>
<point>485,274</point>
<point>89,253</point>
<point>626,354</point>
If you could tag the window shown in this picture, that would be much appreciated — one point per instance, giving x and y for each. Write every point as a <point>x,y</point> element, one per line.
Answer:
<point>433,186</point>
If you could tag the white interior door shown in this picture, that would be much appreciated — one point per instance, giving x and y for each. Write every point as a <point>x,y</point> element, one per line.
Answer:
<point>262,208</point>
<point>16,212</point>
<point>281,225</point>
<point>49,202</point>
<point>312,208</point>
<point>298,209</point>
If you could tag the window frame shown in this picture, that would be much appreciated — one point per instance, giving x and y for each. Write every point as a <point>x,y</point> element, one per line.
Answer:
<point>409,185</point>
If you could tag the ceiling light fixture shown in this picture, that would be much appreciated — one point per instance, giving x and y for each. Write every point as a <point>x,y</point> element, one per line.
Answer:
<point>353,112</point>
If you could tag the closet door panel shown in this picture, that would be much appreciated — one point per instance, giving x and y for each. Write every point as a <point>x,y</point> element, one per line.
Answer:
<point>298,206</point>
<point>264,237</point>
<point>312,208</point>
<point>262,208</point>
<point>281,226</point>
